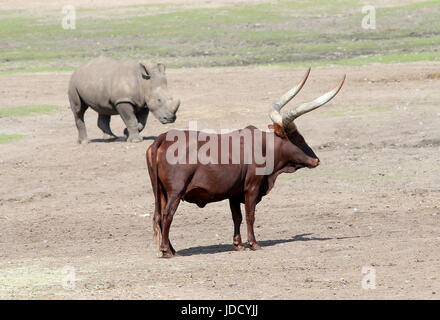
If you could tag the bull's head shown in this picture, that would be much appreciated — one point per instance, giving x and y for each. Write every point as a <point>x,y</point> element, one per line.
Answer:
<point>294,148</point>
<point>156,94</point>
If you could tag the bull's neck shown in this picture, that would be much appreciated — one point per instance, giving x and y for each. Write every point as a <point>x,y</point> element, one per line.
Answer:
<point>280,159</point>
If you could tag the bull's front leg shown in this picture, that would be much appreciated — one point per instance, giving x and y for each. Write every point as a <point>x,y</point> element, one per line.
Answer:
<point>250,203</point>
<point>237,218</point>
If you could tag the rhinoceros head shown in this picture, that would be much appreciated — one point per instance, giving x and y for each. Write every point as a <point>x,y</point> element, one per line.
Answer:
<point>156,94</point>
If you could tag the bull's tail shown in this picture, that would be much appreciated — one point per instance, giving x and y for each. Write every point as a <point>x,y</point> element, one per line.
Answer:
<point>155,184</point>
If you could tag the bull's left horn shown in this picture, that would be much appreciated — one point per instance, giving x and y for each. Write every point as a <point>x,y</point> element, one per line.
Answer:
<point>274,113</point>
<point>289,95</point>
<point>309,106</point>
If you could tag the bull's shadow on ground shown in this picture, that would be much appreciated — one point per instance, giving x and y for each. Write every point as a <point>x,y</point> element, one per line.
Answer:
<point>218,248</point>
<point>119,139</point>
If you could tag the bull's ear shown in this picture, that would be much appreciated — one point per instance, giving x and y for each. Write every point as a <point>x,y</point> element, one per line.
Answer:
<point>161,67</point>
<point>279,130</point>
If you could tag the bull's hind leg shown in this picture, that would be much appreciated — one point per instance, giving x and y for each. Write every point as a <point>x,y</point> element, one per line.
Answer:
<point>157,231</point>
<point>157,220</point>
<point>166,219</point>
<point>237,218</point>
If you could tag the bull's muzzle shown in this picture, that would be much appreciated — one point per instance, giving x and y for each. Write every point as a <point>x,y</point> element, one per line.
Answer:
<point>313,163</point>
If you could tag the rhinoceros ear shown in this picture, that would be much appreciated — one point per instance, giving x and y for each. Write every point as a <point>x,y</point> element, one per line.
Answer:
<point>147,67</point>
<point>161,67</point>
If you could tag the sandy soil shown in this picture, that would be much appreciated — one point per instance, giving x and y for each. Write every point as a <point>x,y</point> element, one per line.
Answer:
<point>374,201</point>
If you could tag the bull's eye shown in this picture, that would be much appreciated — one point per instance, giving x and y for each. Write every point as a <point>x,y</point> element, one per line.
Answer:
<point>159,100</point>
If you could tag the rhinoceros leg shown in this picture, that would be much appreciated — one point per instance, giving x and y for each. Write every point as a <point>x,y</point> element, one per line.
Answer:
<point>78,109</point>
<point>126,112</point>
<point>142,117</point>
<point>104,125</point>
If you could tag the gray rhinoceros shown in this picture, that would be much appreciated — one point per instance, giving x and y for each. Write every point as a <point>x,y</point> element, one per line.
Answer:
<point>128,88</point>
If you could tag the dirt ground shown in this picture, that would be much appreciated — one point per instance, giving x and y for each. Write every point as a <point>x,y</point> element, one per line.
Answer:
<point>374,201</point>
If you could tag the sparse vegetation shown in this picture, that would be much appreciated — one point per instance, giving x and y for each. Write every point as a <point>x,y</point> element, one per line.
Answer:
<point>26,110</point>
<point>6,138</point>
<point>287,32</point>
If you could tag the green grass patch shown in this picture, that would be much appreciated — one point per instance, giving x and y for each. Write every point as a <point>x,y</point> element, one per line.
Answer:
<point>26,110</point>
<point>417,6</point>
<point>296,32</point>
<point>360,61</point>
<point>34,54</point>
<point>392,58</point>
<point>38,69</point>
<point>6,138</point>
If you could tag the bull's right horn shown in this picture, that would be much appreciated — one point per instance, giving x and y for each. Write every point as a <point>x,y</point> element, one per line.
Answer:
<point>309,106</point>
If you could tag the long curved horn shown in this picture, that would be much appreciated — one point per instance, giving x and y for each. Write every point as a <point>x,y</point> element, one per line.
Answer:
<point>285,98</point>
<point>309,106</point>
<point>289,95</point>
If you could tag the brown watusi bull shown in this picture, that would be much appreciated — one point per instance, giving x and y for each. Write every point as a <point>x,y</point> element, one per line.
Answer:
<point>206,182</point>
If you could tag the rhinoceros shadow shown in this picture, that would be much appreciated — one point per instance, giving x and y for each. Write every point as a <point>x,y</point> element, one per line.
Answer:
<point>218,248</point>
<point>119,139</point>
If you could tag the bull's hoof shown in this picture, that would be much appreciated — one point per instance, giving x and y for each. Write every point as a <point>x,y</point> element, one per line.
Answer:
<point>238,247</point>
<point>254,246</point>
<point>167,254</point>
